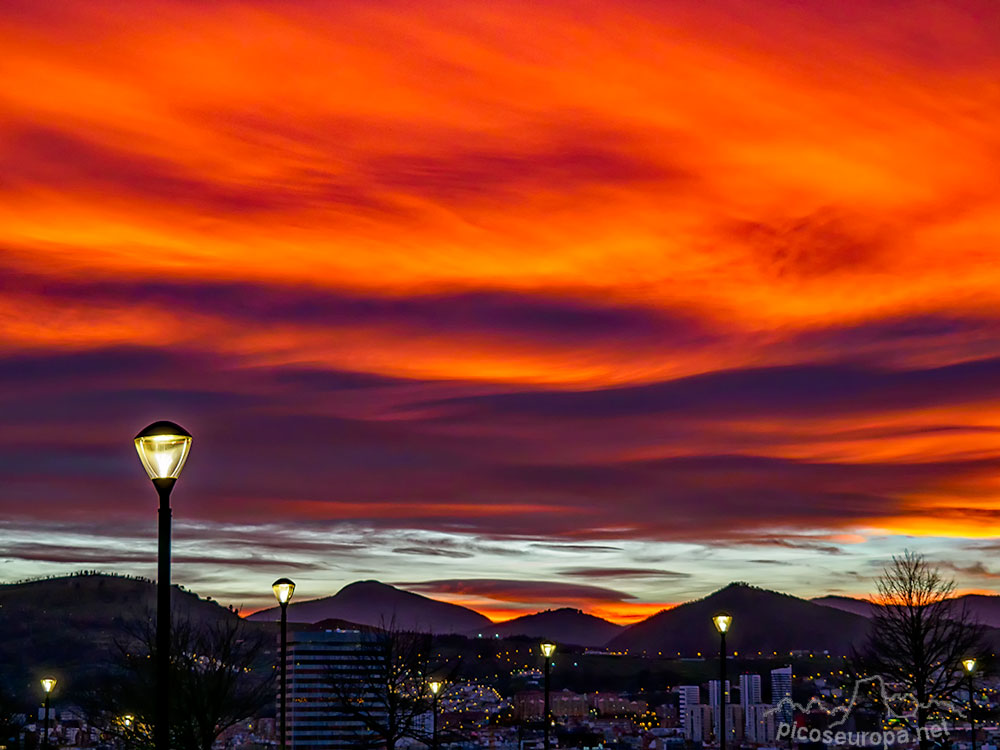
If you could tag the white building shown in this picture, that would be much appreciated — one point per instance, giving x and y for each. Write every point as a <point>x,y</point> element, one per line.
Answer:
<point>698,722</point>
<point>690,695</point>
<point>749,696</point>
<point>760,724</point>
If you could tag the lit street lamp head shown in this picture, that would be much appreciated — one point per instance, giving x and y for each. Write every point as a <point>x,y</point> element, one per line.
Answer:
<point>722,622</point>
<point>48,683</point>
<point>548,649</point>
<point>163,448</point>
<point>435,686</point>
<point>283,590</point>
<point>969,664</point>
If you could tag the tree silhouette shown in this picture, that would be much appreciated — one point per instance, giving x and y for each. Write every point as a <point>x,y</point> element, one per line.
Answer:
<point>217,679</point>
<point>919,634</point>
<point>385,688</point>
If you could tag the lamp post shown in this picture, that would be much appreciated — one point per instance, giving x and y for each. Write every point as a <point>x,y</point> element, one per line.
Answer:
<point>47,684</point>
<point>547,650</point>
<point>435,688</point>
<point>722,622</point>
<point>283,589</point>
<point>163,448</point>
<point>970,667</point>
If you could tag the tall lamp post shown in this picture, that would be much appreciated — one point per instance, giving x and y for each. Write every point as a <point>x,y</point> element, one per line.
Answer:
<point>970,667</point>
<point>435,688</point>
<point>722,622</point>
<point>283,589</point>
<point>548,649</point>
<point>47,684</point>
<point>163,448</point>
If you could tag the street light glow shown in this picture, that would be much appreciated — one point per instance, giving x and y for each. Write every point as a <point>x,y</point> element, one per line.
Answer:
<point>434,686</point>
<point>48,683</point>
<point>722,622</point>
<point>163,448</point>
<point>548,649</point>
<point>283,589</point>
<point>969,664</point>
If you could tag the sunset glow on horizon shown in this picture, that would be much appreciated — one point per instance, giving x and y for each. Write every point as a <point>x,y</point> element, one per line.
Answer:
<point>633,299</point>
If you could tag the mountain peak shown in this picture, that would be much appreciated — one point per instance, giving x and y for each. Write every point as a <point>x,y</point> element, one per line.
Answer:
<point>378,604</point>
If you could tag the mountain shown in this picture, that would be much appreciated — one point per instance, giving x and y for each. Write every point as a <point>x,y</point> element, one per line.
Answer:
<point>861,607</point>
<point>762,621</point>
<point>374,603</point>
<point>561,625</point>
<point>69,624</point>
<point>983,607</point>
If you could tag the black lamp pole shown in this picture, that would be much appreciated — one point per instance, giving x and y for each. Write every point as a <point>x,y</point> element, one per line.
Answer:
<point>163,448</point>
<point>434,723</point>
<point>972,708</point>
<point>722,690</point>
<point>162,738</point>
<point>284,674</point>
<point>547,712</point>
<point>45,738</point>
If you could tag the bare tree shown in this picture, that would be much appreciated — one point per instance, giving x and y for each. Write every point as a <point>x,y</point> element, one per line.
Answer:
<point>217,679</point>
<point>920,633</point>
<point>384,685</point>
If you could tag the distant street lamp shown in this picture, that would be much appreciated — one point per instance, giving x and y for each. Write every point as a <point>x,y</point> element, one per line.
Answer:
<point>163,448</point>
<point>722,622</point>
<point>970,667</point>
<point>283,589</point>
<point>547,650</point>
<point>47,684</point>
<point>435,688</point>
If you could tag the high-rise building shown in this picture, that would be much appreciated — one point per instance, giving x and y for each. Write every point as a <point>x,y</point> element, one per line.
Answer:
<point>317,660</point>
<point>697,722</point>
<point>713,692</point>
<point>749,689</point>
<point>759,722</point>
<point>713,701</point>
<point>749,696</point>
<point>734,724</point>
<point>781,688</point>
<point>690,695</point>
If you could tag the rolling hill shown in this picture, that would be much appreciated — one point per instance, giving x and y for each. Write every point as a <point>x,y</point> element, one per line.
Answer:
<point>561,625</point>
<point>762,621</point>
<point>68,625</point>
<point>374,603</point>
<point>982,607</point>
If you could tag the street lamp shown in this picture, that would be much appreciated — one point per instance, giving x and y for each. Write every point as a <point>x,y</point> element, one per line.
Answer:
<point>722,622</point>
<point>283,589</point>
<point>547,650</point>
<point>970,667</point>
<point>435,688</point>
<point>163,448</point>
<point>47,684</point>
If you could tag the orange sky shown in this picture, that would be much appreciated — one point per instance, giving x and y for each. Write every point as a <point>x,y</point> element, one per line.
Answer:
<point>505,221</point>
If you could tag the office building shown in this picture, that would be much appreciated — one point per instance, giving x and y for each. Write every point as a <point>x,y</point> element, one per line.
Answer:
<point>781,688</point>
<point>690,695</point>
<point>316,661</point>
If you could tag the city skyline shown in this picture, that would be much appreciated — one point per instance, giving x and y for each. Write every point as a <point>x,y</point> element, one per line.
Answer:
<point>513,306</point>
